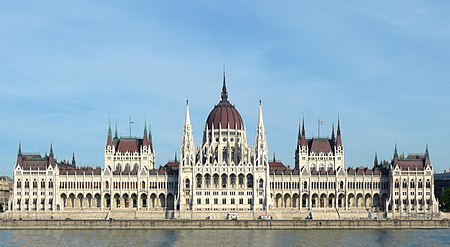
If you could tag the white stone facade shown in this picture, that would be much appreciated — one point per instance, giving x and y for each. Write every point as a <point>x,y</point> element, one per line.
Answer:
<point>226,175</point>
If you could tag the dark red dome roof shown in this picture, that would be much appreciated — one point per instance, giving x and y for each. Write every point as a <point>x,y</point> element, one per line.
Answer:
<point>224,113</point>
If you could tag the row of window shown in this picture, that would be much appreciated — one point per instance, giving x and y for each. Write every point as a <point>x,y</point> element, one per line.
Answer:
<point>330,185</point>
<point>35,184</point>
<point>232,201</point>
<point>412,184</point>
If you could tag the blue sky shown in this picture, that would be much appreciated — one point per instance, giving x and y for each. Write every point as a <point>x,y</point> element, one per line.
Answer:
<point>66,67</point>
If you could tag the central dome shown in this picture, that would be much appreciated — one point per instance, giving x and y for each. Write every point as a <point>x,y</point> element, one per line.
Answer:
<point>224,114</point>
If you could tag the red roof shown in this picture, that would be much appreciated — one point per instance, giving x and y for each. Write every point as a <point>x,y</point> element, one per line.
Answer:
<point>318,145</point>
<point>224,114</point>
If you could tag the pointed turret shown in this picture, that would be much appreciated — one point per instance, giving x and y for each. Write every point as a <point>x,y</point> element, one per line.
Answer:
<point>187,143</point>
<point>145,142</point>
<point>116,135</point>
<point>109,140</point>
<point>427,156</point>
<point>395,160</point>
<point>175,159</point>
<point>332,133</point>
<point>274,158</point>
<point>73,159</point>
<point>224,94</point>
<point>260,146</point>
<point>19,153</point>
<point>303,142</point>
<point>375,162</point>
<point>51,150</point>
<point>338,135</point>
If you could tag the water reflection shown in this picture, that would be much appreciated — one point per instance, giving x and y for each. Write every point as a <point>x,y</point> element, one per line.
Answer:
<point>218,238</point>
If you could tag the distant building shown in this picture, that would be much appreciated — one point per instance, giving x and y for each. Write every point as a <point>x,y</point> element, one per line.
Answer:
<point>441,182</point>
<point>6,187</point>
<point>226,175</point>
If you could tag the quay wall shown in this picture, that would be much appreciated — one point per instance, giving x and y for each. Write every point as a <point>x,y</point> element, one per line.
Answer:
<point>224,224</point>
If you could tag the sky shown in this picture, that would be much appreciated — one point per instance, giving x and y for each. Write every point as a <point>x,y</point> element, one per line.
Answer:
<point>67,67</point>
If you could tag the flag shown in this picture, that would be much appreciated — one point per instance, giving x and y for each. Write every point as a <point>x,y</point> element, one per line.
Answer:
<point>131,121</point>
<point>320,122</point>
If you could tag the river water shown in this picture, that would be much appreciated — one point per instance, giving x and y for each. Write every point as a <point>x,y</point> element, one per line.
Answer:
<point>217,238</point>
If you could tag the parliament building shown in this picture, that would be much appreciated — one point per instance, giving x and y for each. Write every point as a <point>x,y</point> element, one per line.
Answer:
<point>222,176</point>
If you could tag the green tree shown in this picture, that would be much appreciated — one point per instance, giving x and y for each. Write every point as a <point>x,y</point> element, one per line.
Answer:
<point>445,199</point>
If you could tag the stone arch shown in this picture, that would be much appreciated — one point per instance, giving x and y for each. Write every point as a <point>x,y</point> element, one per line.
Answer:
<point>80,200</point>
<point>153,200</point>
<point>144,200</point>
<point>331,200</point>
<point>134,200</point>
<point>351,200</point>
<point>295,200</point>
<point>72,200</point>
<point>359,200</point>
<point>187,183</point>
<point>261,183</point>
<point>278,200</point>
<point>368,200</point>
<point>314,200</point>
<point>376,200</point>
<point>305,200</point>
<point>162,200</point>
<point>107,200</point>
<point>117,200</point>
<point>98,200</point>
<point>287,200</point>
<point>323,200</point>
<point>89,200</point>
<point>64,199</point>
<point>341,200</point>
<point>126,200</point>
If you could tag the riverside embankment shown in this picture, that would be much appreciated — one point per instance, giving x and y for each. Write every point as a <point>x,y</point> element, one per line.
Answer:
<point>224,224</point>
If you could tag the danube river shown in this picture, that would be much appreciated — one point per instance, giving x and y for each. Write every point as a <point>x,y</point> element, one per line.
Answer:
<point>217,238</point>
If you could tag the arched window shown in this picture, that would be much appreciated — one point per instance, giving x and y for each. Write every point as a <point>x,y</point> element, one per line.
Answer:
<point>261,183</point>
<point>143,185</point>
<point>199,180</point>
<point>428,184</point>
<point>420,185</point>
<point>341,185</point>
<point>224,180</point>
<point>34,184</point>
<point>107,185</point>
<point>19,184</point>
<point>249,181</point>
<point>42,184</point>
<point>305,185</point>
<point>241,179</point>
<point>188,183</point>
<point>50,184</point>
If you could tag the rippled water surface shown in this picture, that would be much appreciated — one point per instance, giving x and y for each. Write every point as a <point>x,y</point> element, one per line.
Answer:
<point>217,238</point>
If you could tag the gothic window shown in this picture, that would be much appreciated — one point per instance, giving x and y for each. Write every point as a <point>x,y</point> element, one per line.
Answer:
<point>428,184</point>
<point>42,184</point>
<point>143,185</point>
<point>224,180</point>
<point>305,185</point>
<point>249,181</point>
<point>107,185</point>
<point>216,179</point>
<point>207,180</point>
<point>188,184</point>
<point>341,185</point>
<point>19,184</point>
<point>199,180</point>
<point>241,179</point>
<point>232,179</point>
<point>420,185</point>
<point>34,184</point>
<point>261,183</point>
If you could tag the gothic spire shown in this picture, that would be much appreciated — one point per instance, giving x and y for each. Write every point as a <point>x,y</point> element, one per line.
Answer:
<point>427,156</point>
<point>338,134</point>
<point>109,139</point>
<point>145,140</point>
<point>73,158</point>
<point>187,142</point>
<point>375,162</point>
<point>260,146</point>
<point>116,136</point>
<point>20,149</point>
<point>332,132</point>
<point>224,94</point>
<point>51,149</point>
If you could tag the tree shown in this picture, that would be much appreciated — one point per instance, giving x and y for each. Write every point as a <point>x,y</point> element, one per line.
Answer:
<point>445,199</point>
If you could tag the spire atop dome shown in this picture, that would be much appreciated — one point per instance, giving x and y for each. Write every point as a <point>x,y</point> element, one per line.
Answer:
<point>224,94</point>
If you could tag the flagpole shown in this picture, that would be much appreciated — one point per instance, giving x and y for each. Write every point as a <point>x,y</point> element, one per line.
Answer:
<point>129,125</point>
